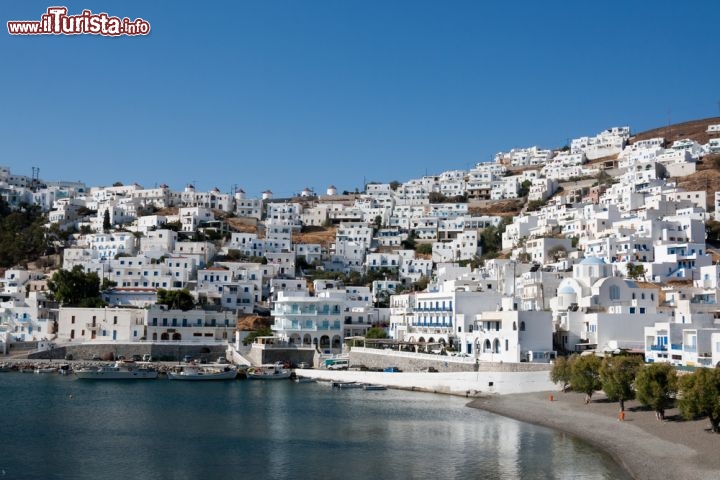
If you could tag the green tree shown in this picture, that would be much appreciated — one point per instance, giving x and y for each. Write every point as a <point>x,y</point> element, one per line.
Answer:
<point>617,375</point>
<point>261,332</point>
<point>585,375</point>
<point>561,371</point>
<point>524,188</point>
<point>700,396</point>
<point>656,385</point>
<point>424,248</point>
<point>75,288</point>
<point>176,299</point>
<point>635,271</point>
<point>376,332</point>
<point>378,222</point>
<point>22,234</point>
<point>106,221</point>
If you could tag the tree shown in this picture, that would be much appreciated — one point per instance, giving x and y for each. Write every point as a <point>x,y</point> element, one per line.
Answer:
<point>378,222</point>
<point>106,221</point>
<point>635,271</point>
<point>376,332</point>
<point>75,288</point>
<point>561,371</point>
<point>656,386</point>
<point>261,332</point>
<point>176,299</point>
<point>700,396</point>
<point>617,375</point>
<point>424,249</point>
<point>557,253</point>
<point>585,375</point>
<point>524,188</point>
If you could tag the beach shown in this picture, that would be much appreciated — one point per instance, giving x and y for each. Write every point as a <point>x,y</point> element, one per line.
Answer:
<point>645,447</point>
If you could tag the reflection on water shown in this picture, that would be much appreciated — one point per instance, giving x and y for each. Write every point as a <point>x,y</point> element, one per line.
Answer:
<point>58,427</point>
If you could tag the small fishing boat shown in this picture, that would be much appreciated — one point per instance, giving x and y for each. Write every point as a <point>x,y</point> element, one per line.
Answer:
<point>374,386</point>
<point>46,369</point>
<point>204,372</point>
<point>120,370</point>
<point>347,385</point>
<point>268,372</point>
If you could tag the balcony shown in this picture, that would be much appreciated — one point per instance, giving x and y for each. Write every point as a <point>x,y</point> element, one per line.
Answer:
<point>690,348</point>
<point>658,348</point>
<point>676,346</point>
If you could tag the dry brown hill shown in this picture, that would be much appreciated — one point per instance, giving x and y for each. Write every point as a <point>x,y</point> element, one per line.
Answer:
<point>694,130</point>
<point>322,235</point>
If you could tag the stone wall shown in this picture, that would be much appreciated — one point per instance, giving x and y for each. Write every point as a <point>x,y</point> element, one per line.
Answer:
<point>159,351</point>
<point>259,356</point>
<point>415,362</point>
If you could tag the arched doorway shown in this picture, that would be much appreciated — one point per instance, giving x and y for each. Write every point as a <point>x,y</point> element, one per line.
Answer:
<point>324,341</point>
<point>336,341</point>
<point>496,346</point>
<point>177,336</point>
<point>486,346</point>
<point>154,336</point>
<point>307,340</point>
<point>165,336</point>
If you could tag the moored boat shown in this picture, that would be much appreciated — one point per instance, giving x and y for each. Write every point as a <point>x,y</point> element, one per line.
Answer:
<point>46,370</point>
<point>5,367</point>
<point>204,372</point>
<point>374,386</point>
<point>268,372</point>
<point>118,371</point>
<point>347,385</point>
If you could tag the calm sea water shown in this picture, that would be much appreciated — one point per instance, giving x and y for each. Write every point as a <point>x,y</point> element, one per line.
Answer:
<point>55,427</point>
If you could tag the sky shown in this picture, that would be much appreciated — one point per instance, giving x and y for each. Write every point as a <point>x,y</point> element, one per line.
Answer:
<point>289,94</point>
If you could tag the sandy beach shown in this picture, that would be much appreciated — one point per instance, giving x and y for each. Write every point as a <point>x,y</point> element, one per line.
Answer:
<point>645,447</point>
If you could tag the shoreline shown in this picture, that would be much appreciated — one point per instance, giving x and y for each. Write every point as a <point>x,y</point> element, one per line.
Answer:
<point>643,446</point>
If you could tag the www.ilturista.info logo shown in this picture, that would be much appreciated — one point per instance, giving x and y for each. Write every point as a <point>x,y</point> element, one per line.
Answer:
<point>57,22</point>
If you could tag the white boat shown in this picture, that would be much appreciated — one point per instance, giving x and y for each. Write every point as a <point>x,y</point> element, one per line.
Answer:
<point>268,372</point>
<point>204,372</point>
<point>374,386</point>
<point>46,369</point>
<point>5,367</point>
<point>347,385</point>
<point>118,371</point>
<point>300,379</point>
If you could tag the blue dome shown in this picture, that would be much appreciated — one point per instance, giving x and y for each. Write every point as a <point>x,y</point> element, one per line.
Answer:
<point>592,261</point>
<point>566,289</point>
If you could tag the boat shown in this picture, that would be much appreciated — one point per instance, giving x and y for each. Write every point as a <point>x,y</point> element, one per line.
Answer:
<point>204,372</point>
<point>300,379</point>
<point>121,370</point>
<point>347,385</point>
<point>65,369</point>
<point>46,369</point>
<point>374,386</point>
<point>5,367</point>
<point>268,372</point>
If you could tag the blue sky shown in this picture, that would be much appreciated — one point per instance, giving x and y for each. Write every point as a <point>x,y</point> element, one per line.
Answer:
<point>293,94</point>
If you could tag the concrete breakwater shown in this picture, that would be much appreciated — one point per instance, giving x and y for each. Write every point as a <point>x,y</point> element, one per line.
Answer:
<point>29,366</point>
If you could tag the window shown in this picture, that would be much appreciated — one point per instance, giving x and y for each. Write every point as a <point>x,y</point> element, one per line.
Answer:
<point>614,292</point>
<point>632,309</point>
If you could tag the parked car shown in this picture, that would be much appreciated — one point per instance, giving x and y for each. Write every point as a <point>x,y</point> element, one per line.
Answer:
<point>429,370</point>
<point>392,370</point>
<point>187,358</point>
<point>147,358</point>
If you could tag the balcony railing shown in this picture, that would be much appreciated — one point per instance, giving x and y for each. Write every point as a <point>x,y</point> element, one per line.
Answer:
<point>676,346</point>
<point>658,348</point>
<point>690,348</point>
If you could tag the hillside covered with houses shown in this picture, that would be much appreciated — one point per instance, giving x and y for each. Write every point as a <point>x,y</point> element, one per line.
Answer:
<point>605,244</point>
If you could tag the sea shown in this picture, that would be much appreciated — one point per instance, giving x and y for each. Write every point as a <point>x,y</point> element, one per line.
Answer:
<point>57,427</point>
